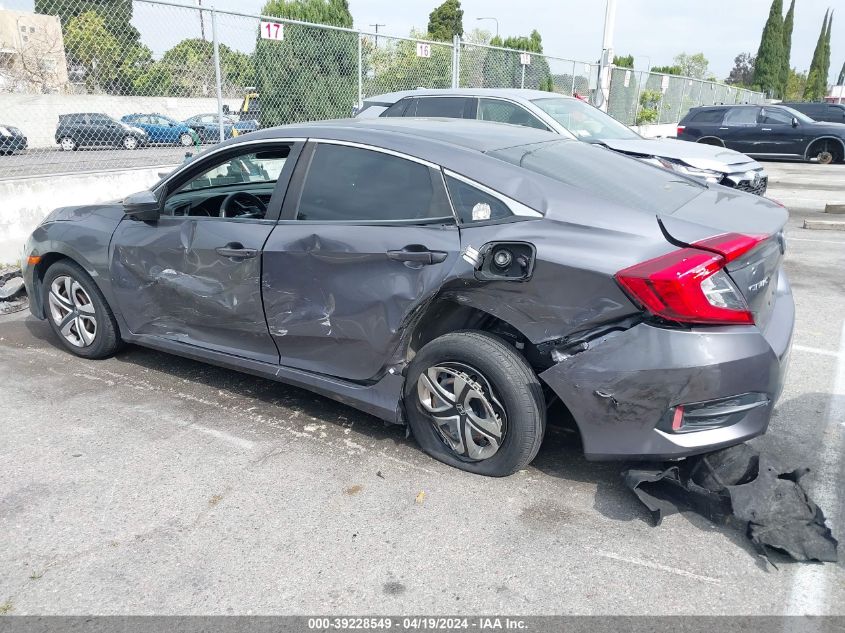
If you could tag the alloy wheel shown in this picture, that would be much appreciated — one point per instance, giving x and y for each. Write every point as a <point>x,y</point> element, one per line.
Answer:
<point>130,142</point>
<point>72,311</point>
<point>68,144</point>
<point>186,140</point>
<point>464,409</point>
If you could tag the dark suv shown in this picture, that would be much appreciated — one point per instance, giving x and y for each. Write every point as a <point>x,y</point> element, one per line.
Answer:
<point>93,129</point>
<point>830,112</point>
<point>774,131</point>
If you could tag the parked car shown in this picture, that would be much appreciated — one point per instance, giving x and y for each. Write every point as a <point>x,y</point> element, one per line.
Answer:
<point>572,118</point>
<point>207,126</point>
<point>94,129</point>
<point>12,140</point>
<point>830,112</point>
<point>771,131</point>
<point>462,277</point>
<point>162,129</point>
<point>250,108</point>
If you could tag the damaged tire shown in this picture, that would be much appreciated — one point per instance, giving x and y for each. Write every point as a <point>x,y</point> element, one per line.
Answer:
<point>78,312</point>
<point>474,403</point>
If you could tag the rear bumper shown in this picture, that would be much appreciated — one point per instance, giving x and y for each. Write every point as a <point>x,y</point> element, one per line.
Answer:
<point>620,388</point>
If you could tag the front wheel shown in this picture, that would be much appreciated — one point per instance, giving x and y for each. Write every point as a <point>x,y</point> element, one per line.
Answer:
<point>68,144</point>
<point>186,140</point>
<point>474,403</point>
<point>130,142</point>
<point>78,312</point>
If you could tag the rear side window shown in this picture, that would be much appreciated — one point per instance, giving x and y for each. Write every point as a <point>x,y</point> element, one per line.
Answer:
<point>449,107</point>
<point>708,116</point>
<point>474,205</point>
<point>398,108</point>
<point>742,116</point>
<point>354,184</point>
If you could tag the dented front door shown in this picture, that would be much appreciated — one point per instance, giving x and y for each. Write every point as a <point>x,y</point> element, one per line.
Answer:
<point>196,280</point>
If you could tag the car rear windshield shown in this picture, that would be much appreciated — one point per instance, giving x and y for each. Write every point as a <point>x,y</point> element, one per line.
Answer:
<point>602,172</point>
<point>584,121</point>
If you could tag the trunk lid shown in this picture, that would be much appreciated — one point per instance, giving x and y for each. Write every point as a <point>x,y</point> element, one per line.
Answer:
<point>718,211</point>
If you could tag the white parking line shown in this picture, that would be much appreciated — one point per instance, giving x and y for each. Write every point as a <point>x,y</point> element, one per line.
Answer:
<point>808,595</point>
<point>789,238</point>
<point>659,567</point>
<point>818,350</point>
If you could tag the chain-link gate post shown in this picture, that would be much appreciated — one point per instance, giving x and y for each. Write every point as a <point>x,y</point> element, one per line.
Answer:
<point>522,81</point>
<point>637,102</point>
<point>217,73</point>
<point>456,61</point>
<point>360,71</point>
<point>572,90</point>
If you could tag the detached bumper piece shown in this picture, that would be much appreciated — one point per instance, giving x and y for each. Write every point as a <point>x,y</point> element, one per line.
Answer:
<point>740,488</point>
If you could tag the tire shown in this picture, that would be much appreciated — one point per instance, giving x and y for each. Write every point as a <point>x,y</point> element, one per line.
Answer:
<point>68,144</point>
<point>500,389</point>
<point>130,142</point>
<point>93,332</point>
<point>185,140</point>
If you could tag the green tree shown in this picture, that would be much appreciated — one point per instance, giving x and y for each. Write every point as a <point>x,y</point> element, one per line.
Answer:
<point>767,69</point>
<point>626,61</point>
<point>189,70</point>
<point>841,80</point>
<point>742,74</point>
<point>694,66</point>
<point>92,46</point>
<point>667,70</point>
<point>116,15</point>
<point>503,69</point>
<point>394,65</point>
<point>788,23</point>
<point>817,75</point>
<point>312,73</point>
<point>446,21</point>
<point>795,84</point>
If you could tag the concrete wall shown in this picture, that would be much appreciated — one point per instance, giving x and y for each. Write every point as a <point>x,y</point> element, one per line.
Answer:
<point>38,115</point>
<point>27,201</point>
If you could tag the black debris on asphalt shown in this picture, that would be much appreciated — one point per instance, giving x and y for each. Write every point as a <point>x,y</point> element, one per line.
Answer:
<point>740,488</point>
<point>12,292</point>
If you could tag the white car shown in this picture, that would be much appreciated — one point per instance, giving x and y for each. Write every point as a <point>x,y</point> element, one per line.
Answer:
<point>573,118</point>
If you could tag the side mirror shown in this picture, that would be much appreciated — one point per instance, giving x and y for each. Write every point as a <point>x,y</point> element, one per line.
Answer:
<point>143,206</point>
<point>795,121</point>
<point>225,109</point>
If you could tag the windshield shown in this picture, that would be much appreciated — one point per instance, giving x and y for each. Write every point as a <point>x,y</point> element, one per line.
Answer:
<point>605,173</point>
<point>584,121</point>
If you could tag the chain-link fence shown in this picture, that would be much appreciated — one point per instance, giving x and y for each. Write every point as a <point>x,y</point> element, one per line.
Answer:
<point>92,86</point>
<point>644,98</point>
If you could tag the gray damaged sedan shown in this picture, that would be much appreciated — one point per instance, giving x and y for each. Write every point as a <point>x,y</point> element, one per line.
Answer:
<point>573,118</point>
<point>469,279</point>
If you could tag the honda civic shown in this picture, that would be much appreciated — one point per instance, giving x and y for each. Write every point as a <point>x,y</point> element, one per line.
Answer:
<point>468,279</point>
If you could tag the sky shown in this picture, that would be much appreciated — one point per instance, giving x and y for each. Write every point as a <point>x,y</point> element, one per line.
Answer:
<point>654,31</point>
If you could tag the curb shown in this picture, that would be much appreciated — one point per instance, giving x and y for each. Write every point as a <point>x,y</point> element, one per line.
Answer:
<point>834,208</point>
<point>825,225</point>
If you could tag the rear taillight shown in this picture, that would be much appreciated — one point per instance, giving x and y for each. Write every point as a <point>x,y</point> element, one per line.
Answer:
<point>681,129</point>
<point>690,285</point>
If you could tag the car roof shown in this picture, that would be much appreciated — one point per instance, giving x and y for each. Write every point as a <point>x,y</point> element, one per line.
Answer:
<point>518,94</point>
<point>417,134</point>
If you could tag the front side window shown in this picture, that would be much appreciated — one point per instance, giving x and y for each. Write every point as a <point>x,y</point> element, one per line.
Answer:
<point>774,116</point>
<point>742,116</point>
<point>257,167</point>
<point>507,112</point>
<point>355,184</point>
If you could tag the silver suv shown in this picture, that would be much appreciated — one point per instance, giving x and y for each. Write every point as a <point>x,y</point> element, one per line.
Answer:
<point>573,118</point>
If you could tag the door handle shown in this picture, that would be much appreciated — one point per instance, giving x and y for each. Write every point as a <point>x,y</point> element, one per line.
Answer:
<point>236,250</point>
<point>418,256</point>
<point>766,129</point>
<point>724,128</point>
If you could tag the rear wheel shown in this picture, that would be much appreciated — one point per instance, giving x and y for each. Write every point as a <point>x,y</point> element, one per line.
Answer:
<point>78,312</point>
<point>474,403</point>
<point>68,144</point>
<point>716,142</point>
<point>130,142</point>
<point>825,152</point>
<point>186,140</point>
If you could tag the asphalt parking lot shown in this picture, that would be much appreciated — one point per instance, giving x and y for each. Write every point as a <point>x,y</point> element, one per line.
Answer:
<point>149,484</point>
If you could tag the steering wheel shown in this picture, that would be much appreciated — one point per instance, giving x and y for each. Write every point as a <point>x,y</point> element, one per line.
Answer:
<point>240,204</point>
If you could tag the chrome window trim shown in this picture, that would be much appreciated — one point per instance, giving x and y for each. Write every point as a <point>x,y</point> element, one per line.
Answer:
<point>373,148</point>
<point>517,208</point>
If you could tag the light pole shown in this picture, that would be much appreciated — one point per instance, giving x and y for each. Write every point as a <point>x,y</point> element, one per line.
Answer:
<point>376,28</point>
<point>606,55</point>
<point>494,20</point>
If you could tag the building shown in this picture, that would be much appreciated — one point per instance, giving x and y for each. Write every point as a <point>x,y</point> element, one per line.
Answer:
<point>837,95</point>
<point>32,53</point>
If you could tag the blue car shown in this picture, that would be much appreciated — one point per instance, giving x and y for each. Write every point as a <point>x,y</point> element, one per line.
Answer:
<point>208,128</point>
<point>162,129</point>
